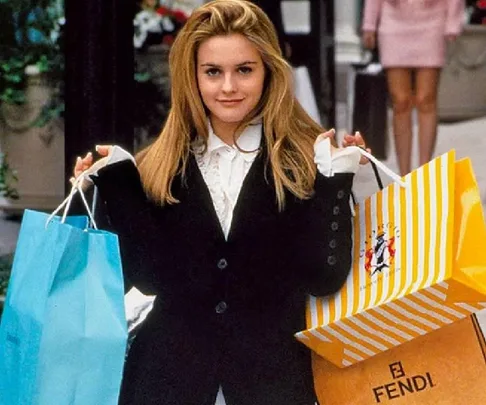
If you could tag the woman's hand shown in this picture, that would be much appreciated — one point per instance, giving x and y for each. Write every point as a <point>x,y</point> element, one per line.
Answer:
<point>83,164</point>
<point>369,39</point>
<point>348,140</point>
<point>324,135</point>
<point>356,140</point>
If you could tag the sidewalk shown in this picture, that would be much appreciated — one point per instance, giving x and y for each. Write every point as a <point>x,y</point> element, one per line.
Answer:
<point>467,137</point>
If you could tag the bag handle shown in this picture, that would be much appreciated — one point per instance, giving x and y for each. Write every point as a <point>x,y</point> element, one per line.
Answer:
<point>376,164</point>
<point>66,204</point>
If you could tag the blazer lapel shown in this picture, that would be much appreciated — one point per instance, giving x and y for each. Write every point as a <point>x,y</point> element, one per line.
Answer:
<point>257,199</point>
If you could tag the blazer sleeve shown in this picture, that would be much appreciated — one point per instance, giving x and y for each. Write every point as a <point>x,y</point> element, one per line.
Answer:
<point>130,216</point>
<point>323,235</point>
<point>371,14</point>
<point>455,17</point>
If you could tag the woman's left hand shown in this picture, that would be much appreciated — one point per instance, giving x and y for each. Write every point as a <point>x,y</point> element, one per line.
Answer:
<point>356,140</point>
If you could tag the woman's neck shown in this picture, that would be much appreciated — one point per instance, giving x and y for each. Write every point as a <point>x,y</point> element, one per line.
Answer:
<point>226,131</point>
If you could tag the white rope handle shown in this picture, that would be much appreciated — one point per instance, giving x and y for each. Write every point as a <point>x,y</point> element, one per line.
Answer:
<point>66,204</point>
<point>88,209</point>
<point>385,169</point>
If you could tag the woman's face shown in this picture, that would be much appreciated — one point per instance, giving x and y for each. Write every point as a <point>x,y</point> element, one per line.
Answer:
<point>230,75</point>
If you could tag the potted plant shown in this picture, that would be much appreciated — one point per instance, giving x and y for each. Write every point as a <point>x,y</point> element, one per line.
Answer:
<point>8,178</point>
<point>5,268</point>
<point>31,102</point>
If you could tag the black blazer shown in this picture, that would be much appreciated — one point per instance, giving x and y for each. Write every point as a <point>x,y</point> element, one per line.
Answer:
<point>226,310</point>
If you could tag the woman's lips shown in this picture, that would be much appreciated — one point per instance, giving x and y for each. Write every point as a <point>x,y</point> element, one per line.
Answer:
<point>230,102</point>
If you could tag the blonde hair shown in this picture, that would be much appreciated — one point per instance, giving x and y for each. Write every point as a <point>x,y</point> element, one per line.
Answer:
<point>289,132</point>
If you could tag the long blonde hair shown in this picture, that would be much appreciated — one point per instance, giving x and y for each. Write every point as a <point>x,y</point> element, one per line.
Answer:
<point>289,132</point>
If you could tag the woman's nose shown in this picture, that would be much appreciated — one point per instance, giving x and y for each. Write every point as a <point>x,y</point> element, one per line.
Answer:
<point>229,85</point>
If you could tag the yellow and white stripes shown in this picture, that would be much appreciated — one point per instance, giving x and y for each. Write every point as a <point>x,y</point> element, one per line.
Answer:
<point>398,286</point>
<point>381,328</point>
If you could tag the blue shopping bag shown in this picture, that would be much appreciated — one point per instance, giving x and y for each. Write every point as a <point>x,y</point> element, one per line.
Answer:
<point>63,330</point>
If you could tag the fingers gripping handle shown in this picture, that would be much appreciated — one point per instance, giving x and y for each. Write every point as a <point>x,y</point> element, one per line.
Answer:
<point>76,188</point>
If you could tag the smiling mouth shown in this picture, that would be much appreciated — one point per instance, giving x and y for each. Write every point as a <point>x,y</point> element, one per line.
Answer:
<point>230,102</point>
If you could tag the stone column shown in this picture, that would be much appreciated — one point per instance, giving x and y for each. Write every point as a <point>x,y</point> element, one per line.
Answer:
<point>346,16</point>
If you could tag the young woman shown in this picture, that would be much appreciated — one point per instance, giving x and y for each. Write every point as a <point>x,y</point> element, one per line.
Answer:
<point>412,37</point>
<point>231,217</point>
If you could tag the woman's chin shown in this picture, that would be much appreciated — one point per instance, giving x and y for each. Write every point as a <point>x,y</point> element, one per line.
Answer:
<point>229,119</point>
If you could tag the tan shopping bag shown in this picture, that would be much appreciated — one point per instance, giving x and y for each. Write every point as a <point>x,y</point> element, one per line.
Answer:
<point>446,367</point>
<point>419,264</point>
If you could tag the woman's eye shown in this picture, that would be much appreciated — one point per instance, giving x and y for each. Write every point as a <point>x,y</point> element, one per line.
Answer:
<point>245,70</point>
<point>212,72</point>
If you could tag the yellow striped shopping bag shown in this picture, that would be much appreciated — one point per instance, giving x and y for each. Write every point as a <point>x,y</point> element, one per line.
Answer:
<point>419,263</point>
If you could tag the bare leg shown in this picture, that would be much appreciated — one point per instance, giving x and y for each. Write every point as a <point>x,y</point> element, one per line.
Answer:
<point>400,88</point>
<point>426,102</point>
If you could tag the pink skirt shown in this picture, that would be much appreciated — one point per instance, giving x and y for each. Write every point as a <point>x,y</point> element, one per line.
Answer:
<point>397,50</point>
<point>412,34</point>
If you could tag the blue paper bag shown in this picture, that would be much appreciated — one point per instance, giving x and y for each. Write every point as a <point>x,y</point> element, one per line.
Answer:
<point>63,330</point>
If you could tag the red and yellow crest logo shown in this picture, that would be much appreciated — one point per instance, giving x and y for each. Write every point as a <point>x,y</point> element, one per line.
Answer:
<point>380,251</point>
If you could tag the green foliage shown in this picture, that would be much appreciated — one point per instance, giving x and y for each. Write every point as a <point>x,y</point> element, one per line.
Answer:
<point>31,34</point>
<point>5,269</point>
<point>8,178</point>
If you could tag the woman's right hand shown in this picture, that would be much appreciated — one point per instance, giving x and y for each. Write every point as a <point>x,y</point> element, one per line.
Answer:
<point>87,162</point>
<point>369,39</point>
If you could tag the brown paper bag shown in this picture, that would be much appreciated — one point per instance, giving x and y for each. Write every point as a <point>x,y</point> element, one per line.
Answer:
<point>445,367</point>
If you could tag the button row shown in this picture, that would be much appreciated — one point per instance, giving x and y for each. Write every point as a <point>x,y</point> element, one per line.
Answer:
<point>222,305</point>
<point>331,260</point>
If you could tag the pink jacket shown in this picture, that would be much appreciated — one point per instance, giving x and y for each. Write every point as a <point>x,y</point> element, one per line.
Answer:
<point>454,13</point>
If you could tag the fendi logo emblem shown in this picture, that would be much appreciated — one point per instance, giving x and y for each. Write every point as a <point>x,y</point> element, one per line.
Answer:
<point>402,385</point>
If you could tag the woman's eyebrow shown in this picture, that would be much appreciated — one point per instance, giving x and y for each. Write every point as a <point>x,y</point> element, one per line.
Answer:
<point>248,62</point>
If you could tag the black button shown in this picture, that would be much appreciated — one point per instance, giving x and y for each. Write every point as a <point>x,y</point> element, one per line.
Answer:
<point>331,260</point>
<point>221,307</point>
<point>340,194</point>
<point>336,210</point>
<point>333,244</point>
<point>334,226</point>
<point>222,264</point>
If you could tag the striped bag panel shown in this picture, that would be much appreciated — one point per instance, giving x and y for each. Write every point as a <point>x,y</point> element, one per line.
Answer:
<point>391,253</point>
<point>364,335</point>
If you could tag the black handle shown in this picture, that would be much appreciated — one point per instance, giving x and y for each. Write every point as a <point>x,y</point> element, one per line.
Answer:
<point>377,175</point>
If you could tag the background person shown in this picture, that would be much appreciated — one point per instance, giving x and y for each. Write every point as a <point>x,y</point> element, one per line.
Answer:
<point>412,38</point>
